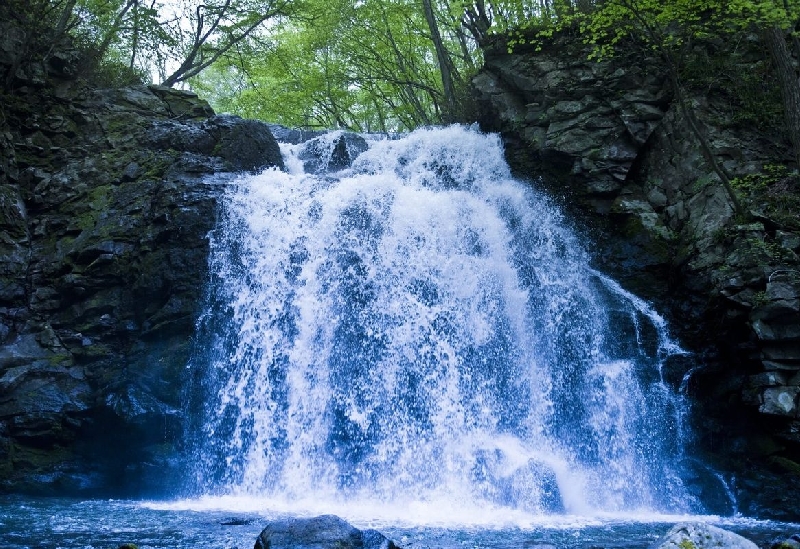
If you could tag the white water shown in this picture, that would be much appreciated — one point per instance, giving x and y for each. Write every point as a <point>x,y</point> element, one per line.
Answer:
<point>420,338</point>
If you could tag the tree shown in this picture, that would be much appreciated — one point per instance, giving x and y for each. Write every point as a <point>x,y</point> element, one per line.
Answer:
<point>174,40</point>
<point>445,61</point>
<point>374,64</point>
<point>120,31</point>
<point>216,28</point>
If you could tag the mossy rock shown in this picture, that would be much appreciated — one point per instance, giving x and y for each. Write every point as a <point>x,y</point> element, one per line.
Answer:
<point>786,465</point>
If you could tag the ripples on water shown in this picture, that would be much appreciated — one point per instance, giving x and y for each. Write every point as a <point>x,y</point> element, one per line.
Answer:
<point>105,524</point>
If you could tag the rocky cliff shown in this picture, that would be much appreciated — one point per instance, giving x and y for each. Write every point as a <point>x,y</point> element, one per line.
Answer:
<point>104,210</point>
<point>608,140</point>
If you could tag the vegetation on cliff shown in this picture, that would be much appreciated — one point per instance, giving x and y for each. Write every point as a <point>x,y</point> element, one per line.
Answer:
<point>387,64</point>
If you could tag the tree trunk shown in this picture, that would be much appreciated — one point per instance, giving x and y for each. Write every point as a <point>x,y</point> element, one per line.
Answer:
<point>445,63</point>
<point>789,84</point>
<point>477,22</point>
<point>64,19</point>
<point>113,32</point>
<point>705,148</point>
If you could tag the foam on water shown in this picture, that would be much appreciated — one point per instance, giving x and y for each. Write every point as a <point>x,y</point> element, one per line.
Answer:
<point>230,523</point>
<point>421,337</point>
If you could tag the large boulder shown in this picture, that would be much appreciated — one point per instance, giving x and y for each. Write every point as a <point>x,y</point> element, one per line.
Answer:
<point>689,535</point>
<point>331,152</point>
<point>323,532</point>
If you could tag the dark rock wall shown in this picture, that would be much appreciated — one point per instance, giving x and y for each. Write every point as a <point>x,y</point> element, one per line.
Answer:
<point>105,207</point>
<point>606,139</point>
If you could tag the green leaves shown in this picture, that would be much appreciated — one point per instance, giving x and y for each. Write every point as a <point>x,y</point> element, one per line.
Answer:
<point>667,24</point>
<point>377,64</point>
<point>370,65</point>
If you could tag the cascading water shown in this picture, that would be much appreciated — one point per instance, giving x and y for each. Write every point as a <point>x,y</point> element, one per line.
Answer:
<point>420,327</point>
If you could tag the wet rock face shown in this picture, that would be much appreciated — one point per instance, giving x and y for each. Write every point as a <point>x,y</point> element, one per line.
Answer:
<point>607,141</point>
<point>578,127</point>
<point>331,152</point>
<point>583,118</point>
<point>105,203</point>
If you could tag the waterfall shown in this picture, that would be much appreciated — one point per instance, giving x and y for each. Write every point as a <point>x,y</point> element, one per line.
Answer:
<point>420,327</point>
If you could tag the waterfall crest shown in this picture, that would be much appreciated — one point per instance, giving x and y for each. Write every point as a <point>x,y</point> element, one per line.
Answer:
<point>420,327</point>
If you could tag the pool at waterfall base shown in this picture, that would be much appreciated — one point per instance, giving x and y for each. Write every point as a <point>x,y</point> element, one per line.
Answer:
<point>60,523</point>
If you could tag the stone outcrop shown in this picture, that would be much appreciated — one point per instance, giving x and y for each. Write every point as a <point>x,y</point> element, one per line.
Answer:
<point>331,152</point>
<point>323,532</point>
<point>690,535</point>
<point>105,205</point>
<point>606,139</point>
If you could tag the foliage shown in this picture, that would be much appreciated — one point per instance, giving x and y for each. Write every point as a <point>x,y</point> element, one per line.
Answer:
<point>662,25</point>
<point>774,193</point>
<point>374,64</point>
<point>367,66</point>
<point>747,86</point>
<point>115,74</point>
<point>172,40</point>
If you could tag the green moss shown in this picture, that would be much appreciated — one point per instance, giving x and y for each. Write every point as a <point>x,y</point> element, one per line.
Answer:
<point>760,299</point>
<point>94,351</point>
<point>60,359</point>
<point>687,544</point>
<point>786,465</point>
<point>774,193</point>
<point>155,167</point>
<point>97,201</point>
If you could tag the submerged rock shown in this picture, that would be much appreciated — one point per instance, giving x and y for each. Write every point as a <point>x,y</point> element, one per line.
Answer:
<point>323,532</point>
<point>688,535</point>
<point>792,542</point>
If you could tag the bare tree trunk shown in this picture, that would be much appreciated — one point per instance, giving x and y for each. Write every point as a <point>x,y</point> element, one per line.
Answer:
<point>445,63</point>
<point>63,20</point>
<point>111,33</point>
<point>789,84</point>
<point>705,148</point>
<point>477,21</point>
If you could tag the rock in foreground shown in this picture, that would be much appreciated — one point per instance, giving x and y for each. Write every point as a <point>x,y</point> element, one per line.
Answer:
<point>324,532</point>
<point>701,536</point>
